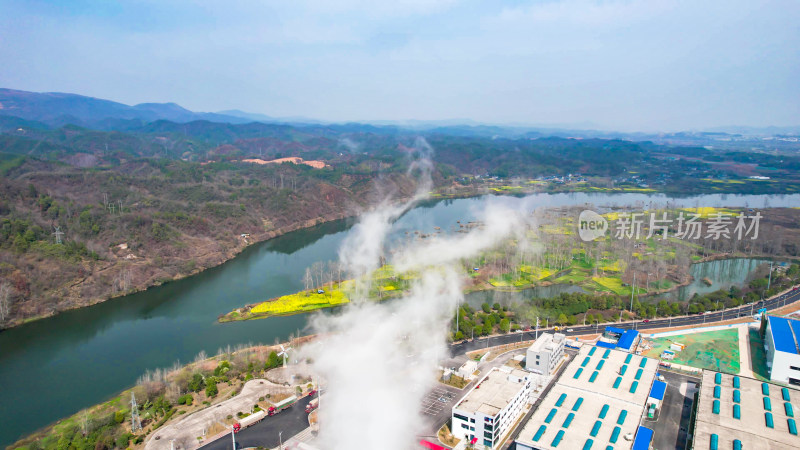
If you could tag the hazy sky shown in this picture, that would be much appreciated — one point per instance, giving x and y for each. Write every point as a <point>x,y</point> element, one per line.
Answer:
<point>621,64</point>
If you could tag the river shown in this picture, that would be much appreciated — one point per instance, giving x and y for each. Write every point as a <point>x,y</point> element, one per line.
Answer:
<point>54,367</point>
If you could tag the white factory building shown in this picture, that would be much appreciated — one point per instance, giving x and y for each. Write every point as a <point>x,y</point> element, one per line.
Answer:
<point>545,353</point>
<point>782,343</point>
<point>488,411</point>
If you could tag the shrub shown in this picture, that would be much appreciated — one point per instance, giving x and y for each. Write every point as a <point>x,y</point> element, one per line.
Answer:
<point>211,389</point>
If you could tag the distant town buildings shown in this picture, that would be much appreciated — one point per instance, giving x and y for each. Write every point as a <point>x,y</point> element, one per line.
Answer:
<point>783,352</point>
<point>492,407</point>
<point>545,353</point>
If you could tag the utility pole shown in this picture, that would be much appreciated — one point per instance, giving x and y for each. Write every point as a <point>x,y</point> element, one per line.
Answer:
<point>537,328</point>
<point>458,313</point>
<point>280,440</point>
<point>633,289</point>
<point>58,234</point>
<point>233,437</point>
<point>136,423</point>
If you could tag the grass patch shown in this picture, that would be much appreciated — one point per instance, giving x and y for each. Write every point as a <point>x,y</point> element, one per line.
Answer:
<point>712,350</point>
<point>300,302</point>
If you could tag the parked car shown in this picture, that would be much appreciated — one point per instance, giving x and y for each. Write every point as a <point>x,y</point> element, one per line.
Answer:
<point>646,321</point>
<point>569,330</point>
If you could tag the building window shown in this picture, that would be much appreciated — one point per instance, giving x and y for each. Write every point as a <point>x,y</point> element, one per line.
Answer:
<point>794,368</point>
<point>487,442</point>
<point>459,416</point>
<point>471,420</point>
<point>487,434</point>
<point>465,426</point>
<point>794,381</point>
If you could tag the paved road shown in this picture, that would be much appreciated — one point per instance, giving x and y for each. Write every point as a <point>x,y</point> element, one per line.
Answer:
<point>577,330</point>
<point>265,433</point>
<point>670,430</point>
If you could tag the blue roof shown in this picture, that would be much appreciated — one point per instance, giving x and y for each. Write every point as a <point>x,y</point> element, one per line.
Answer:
<point>615,330</point>
<point>657,391</point>
<point>605,344</point>
<point>643,437</point>
<point>782,334</point>
<point>795,328</point>
<point>627,339</point>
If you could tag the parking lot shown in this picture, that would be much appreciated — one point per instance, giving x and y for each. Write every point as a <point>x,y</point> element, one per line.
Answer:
<point>437,400</point>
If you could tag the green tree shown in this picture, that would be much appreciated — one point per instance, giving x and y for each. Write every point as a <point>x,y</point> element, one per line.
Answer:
<point>273,361</point>
<point>486,308</point>
<point>197,383</point>
<point>505,325</point>
<point>211,389</point>
<point>562,319</point>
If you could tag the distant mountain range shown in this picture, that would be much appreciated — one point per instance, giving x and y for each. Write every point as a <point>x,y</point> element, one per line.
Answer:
<point>56,109</point>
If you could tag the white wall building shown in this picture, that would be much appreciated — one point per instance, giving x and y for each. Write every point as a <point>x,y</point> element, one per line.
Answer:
<point>490,408</point>
<point>545,353</point>
<point>782,343</point>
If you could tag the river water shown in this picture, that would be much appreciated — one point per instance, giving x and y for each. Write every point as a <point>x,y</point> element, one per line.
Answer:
<point>54,367</point>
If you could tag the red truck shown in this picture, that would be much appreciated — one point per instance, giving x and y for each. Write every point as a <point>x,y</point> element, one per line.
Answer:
<point>312,405</point>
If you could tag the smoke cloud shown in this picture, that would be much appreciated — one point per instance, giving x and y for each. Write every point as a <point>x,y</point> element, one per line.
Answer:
<point>361,251</point>
<point>378,360</point>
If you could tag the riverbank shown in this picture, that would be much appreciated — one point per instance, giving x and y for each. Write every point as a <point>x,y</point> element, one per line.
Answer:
<point>167,397</point>
<point>204,258</point>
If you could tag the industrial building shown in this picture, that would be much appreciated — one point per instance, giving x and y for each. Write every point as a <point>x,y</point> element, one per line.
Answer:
<point>783,353</point>
<point>490,408</point>
<point>597,402</point>
<point>735,412</point>
<point>619,339</point>
<point>546,352</point>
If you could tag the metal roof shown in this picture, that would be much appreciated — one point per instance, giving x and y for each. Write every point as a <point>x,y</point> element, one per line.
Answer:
<point>643,438</point>
<point>782,334</point>
<point>605,344</point>
<point>627,339</point>
<point>657,391</point>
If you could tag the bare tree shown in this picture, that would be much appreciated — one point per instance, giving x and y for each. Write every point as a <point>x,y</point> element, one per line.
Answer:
<point>5,301</point>
<point>307,280</point>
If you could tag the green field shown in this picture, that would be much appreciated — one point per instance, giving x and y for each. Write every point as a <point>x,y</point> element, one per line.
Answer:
<point>713,350</point>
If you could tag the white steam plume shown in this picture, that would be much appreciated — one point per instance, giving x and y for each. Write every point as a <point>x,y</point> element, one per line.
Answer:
<point>361,251</point>
<point>378,360</point>
<point>499,222</point>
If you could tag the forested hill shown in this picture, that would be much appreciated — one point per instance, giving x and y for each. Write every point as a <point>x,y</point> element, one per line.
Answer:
<point>147,202</point>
